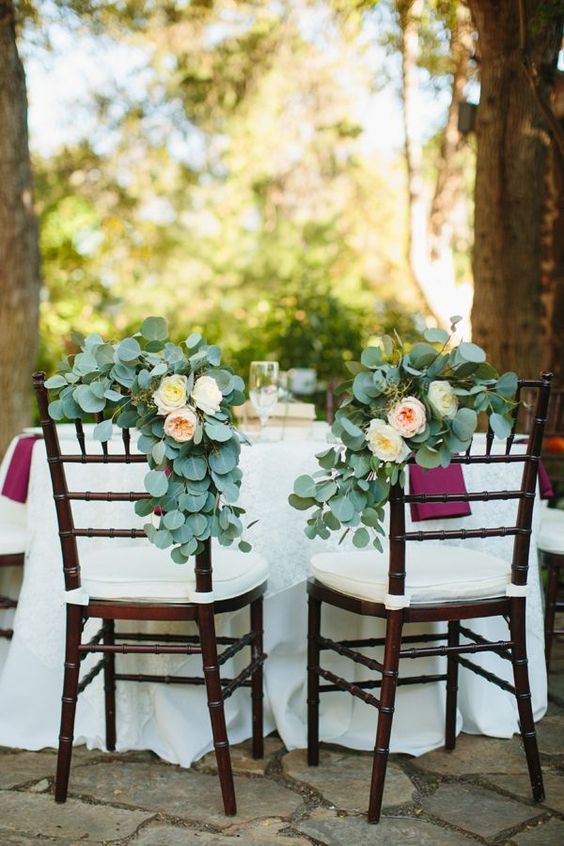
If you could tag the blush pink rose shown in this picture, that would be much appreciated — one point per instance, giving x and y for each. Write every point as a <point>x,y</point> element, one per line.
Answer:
<point>408,417</point>
<point>180,425</point>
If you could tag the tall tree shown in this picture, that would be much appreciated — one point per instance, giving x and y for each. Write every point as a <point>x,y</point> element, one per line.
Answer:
<point>513,140</point>
<point>430,232</point>
<point>19,251</point>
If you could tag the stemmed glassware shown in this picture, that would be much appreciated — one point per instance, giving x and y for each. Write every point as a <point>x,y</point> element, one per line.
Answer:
<point>263,388</point>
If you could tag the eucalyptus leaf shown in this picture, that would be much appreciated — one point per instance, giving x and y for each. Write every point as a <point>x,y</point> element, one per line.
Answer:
<point>103,431</point>
<point>156,483</point>
<point>158,452</point>
<point>305,487</point>
<point>154,329</point>
<point>361,538</point>
<point>56,381</point>
<point>471,352</point>
<point>501,426</point>
<point>88,401</point>
<point>173,520</point>
<point>342,507</point>
<point>436,335</point>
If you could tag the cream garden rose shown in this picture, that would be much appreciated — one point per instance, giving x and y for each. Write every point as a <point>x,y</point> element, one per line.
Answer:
<point>171,394</point>
<point>408,417</point>
<point>206,395</point>
<point>442,399</point>
<point>385,442</point>
<point>180,425</point>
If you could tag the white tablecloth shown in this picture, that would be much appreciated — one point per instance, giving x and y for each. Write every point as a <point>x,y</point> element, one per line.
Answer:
<point>172,720</point>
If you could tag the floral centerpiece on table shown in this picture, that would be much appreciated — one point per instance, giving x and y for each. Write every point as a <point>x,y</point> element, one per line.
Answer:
<point>422,401</point>
<point>179,398</point>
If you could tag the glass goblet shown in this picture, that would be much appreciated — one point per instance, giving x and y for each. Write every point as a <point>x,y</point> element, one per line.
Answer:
<point>263,388</point>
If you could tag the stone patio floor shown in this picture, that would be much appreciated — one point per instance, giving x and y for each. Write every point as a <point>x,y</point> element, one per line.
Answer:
<point>477,794</point>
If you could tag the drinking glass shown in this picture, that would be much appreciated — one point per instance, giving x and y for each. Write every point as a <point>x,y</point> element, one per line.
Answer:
<point>263,388</point>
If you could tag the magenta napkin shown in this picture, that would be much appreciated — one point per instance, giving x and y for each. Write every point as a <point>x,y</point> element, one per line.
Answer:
<point>17,476</point>
<point>545,485</point>
<point>441,480</point>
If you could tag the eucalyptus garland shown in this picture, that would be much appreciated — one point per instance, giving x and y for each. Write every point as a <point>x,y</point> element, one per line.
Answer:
<point>179,398</point>
<point>423,400</point>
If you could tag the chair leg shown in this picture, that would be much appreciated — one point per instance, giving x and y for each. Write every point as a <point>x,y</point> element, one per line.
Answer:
<point>523,695</point>
<point>386,713</point>
<point>70,695</point>
<point>206,625</point>
<point>551,596</point>
<point>314,628</point>
<point>110,686</point>
<point>451,686</point>
<point>257,680</point>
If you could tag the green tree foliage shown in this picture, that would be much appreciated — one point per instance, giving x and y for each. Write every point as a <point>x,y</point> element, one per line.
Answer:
<point>233,192</point>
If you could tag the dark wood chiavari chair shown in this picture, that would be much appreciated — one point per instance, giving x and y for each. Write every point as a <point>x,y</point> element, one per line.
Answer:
<point>12,551</point>
<point>6,602</point>
<point>382,594</point>
<point>551,533</point>
<point>203,589</point>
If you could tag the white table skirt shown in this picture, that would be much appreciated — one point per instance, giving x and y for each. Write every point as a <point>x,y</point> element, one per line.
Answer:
<point>172,720</point>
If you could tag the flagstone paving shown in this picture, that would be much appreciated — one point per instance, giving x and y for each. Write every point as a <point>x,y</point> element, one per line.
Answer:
<point>479,793</point>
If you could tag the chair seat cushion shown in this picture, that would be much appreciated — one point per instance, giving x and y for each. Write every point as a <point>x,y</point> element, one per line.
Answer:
<point>435,573</point>
<point>148,574</point>
<point>551,532</point>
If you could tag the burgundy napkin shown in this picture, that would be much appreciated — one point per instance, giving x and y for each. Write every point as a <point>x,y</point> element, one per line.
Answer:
<point>545,485</point>
<point>449,480</point>
<point>17,476</point>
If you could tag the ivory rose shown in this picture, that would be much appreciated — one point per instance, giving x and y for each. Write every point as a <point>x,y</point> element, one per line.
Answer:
<point>442,399</point>
<point>206,395</point>
<point>180,425</point>
<point>408,417</point>
<point>385,443</point>
<point>171,394</point>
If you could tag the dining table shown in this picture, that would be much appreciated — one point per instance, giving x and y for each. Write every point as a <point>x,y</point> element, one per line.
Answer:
<point>172,720</point>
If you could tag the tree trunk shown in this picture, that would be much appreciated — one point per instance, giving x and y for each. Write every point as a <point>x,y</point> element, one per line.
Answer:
<point>510,188</point>
<point>19,250</point>
<point>553,272</point>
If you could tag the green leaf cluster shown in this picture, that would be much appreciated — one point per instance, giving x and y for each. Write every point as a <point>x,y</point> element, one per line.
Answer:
<point>194,484</point>
<point>351,488</point>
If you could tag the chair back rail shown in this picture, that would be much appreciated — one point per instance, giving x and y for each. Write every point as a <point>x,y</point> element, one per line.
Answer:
<point>539,389</point>
<point>64,498</point>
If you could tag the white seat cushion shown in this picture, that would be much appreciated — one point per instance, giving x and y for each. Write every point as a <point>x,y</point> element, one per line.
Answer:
<point>435,573</point>
<point>551,532</point>
<point>148,574</point>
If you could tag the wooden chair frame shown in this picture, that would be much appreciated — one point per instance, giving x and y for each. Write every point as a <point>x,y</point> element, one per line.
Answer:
<point>553,562</point>
<point>107,641</point>
<point>6,603</point>
<point>396,646</point>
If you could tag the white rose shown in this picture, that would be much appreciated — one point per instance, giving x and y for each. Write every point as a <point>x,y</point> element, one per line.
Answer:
<point>442,399</point>
<point>206,395</point>
<point>385,443</point>
<point>408,417</point>
<point>171,394</point>
<point>180,425</point>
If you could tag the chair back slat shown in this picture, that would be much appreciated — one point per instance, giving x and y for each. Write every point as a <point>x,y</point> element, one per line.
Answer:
<point>126,438</point>
<point>65,498</point>
<point>515,418</point>
<point>528,457</point>
<point>99,419</point>
<point>471,496</point>
<point>489,440</point>
<point>80,436</point>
